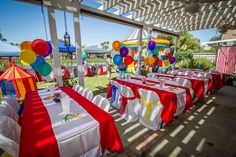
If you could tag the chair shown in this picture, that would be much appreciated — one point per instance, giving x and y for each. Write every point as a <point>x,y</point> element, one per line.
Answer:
<point>9,135</point>
<point>170,72</point>
<point>172,82</point>
<point>151,108</point>
<point>186,83</point>
<point>88,94</point>
<point>151,75</point>
<point>80,90</point>
<point>129,106</point>
<point>101,102</point>
<point>115,94</point>
<point>164,78</point>
<point>12,102</point>
<point>7,110</point>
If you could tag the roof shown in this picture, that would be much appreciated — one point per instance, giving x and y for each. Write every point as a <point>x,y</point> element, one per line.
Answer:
<point>13,73</point>
<point>8,50</point>
<point>227,42</point>
<point>95,49</point>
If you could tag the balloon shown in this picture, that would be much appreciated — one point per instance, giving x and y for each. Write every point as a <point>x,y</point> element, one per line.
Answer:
<point>38,61</point>
<point>172,60</point>
<point>124,51</point>
<point>151,60</point>
<point>40,47</point>
<point>128,60</point>
<point>26,45</point>
<point>155,51</point>
<point>44,69</point>
<point>123,45</point>
<point>146,61</point>
<point>25,64</point>
<point>28,56</point>
<point>160,64</point>
<point>162,52</point>
<point>151,45</point>
<point>84,56</point>
<point>156,59</point>
<point>169,55</point>
<point>164,57</point>
<point>166,63</point>
<point>49,50</point>
<point>117,59</point>
<point>116,45</point>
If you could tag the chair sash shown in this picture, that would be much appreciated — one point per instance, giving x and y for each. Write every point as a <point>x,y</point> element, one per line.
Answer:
<point>113,94</point>
<point>124,101</point>
<point>149,105</point>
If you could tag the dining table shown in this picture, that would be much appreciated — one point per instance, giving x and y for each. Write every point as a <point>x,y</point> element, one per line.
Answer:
<point>46,130</point>
<point>170,97</point>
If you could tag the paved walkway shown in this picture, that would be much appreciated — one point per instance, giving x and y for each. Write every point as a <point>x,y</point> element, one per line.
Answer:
<point>207,130</point>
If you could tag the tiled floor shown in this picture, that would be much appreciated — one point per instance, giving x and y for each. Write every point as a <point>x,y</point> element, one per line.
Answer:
<point>208,129</point>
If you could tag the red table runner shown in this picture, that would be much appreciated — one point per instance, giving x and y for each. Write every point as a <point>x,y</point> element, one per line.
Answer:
<point>168,99</point>
<point>189,103</point>
<point>38,138</point>
<point>197,85</point>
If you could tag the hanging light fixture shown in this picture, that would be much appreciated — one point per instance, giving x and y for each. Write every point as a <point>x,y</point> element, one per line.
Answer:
<point>66,36</point>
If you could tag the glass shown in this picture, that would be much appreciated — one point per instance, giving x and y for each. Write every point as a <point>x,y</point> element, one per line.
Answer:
<point>65,102</point>
<point>52,89</point>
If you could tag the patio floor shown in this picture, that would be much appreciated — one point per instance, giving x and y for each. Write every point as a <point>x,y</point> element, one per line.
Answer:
<point>207,130</point>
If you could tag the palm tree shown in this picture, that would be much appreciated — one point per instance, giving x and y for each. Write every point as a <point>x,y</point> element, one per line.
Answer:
<point>105,45</point>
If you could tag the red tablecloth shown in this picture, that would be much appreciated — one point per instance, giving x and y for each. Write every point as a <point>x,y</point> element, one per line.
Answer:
<point>37,136</point>
<point>197,85</point>
<point>168,99</point>
<point>218,81</point>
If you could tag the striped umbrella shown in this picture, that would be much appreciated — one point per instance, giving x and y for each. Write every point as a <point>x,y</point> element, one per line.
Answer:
<point>22,81</point>
<point>132,39</point>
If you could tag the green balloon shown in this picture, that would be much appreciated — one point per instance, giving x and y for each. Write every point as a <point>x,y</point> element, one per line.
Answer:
<point>83,54</point>
<point>155,51</point>
<point>123,44</point>
<point>44,69</point>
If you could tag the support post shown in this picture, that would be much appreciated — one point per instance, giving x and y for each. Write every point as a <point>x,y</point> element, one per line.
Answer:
<point>175,51</point>
<point>55,51</point>
<point>78,45</point>
<point>140,49</point>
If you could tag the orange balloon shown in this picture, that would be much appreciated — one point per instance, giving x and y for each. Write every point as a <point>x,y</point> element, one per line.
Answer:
<point>26,45</point>
<point>151,60</point>
<point>116,45</point>
<point>146,61</point>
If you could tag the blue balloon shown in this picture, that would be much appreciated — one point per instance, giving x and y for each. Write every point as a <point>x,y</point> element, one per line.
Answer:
<point>164,57</point>
<point>38,61</point>
<point>117,59</point>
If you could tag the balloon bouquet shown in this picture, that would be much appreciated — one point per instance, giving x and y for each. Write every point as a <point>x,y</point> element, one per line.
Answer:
<point>122,60</point>
<point>34,53</point>
<point>158,61</point>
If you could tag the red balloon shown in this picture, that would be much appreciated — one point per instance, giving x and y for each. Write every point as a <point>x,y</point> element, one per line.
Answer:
<point>160,64</point>
<point>128,60</point>
<point>40,47</point>
<point>169,55</point>
<point>156,59</point>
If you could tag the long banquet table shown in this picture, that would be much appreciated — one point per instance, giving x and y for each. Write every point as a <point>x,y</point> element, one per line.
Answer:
<point>44,133</point>
<point>168,97</point>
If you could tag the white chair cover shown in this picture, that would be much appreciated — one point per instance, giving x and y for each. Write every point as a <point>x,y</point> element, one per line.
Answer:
<point>9,135</point>
<point>7,110</point>
<point>12,102</point>
<point>164,78</point>
<point>131,112</point>
<point>171,82</point>
<point>151,75</point>
<point>171,72</point>
<point>186,83</point>
<point>81,90</point>
<point>89,95</point>
<point>151,108</point>
<point>101,102</point>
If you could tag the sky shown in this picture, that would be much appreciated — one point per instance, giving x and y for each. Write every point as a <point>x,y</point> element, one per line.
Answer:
<point>23,21</point>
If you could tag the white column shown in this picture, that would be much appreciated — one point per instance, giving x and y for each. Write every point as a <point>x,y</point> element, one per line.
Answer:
<point>149,30</point>
<point>55,51</point>
<point>140,49</point>
<point>78,44</point>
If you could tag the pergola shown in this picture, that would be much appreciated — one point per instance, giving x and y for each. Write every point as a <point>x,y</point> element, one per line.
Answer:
<point>165,16</point>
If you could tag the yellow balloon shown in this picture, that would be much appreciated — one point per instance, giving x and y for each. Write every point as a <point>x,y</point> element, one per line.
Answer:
<point>25,64</point>
<point>26,45</point>
<point>28,56</point>
<point>166,63</point>
<point>162,52</point>
<point>151,60</point>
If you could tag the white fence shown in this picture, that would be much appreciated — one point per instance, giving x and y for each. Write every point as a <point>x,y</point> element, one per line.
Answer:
<point>211,57</point>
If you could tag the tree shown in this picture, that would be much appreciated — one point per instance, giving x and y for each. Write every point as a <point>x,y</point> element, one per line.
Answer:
<point>215,38</point>
<point>187,42</point>
<point>105,45</point>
